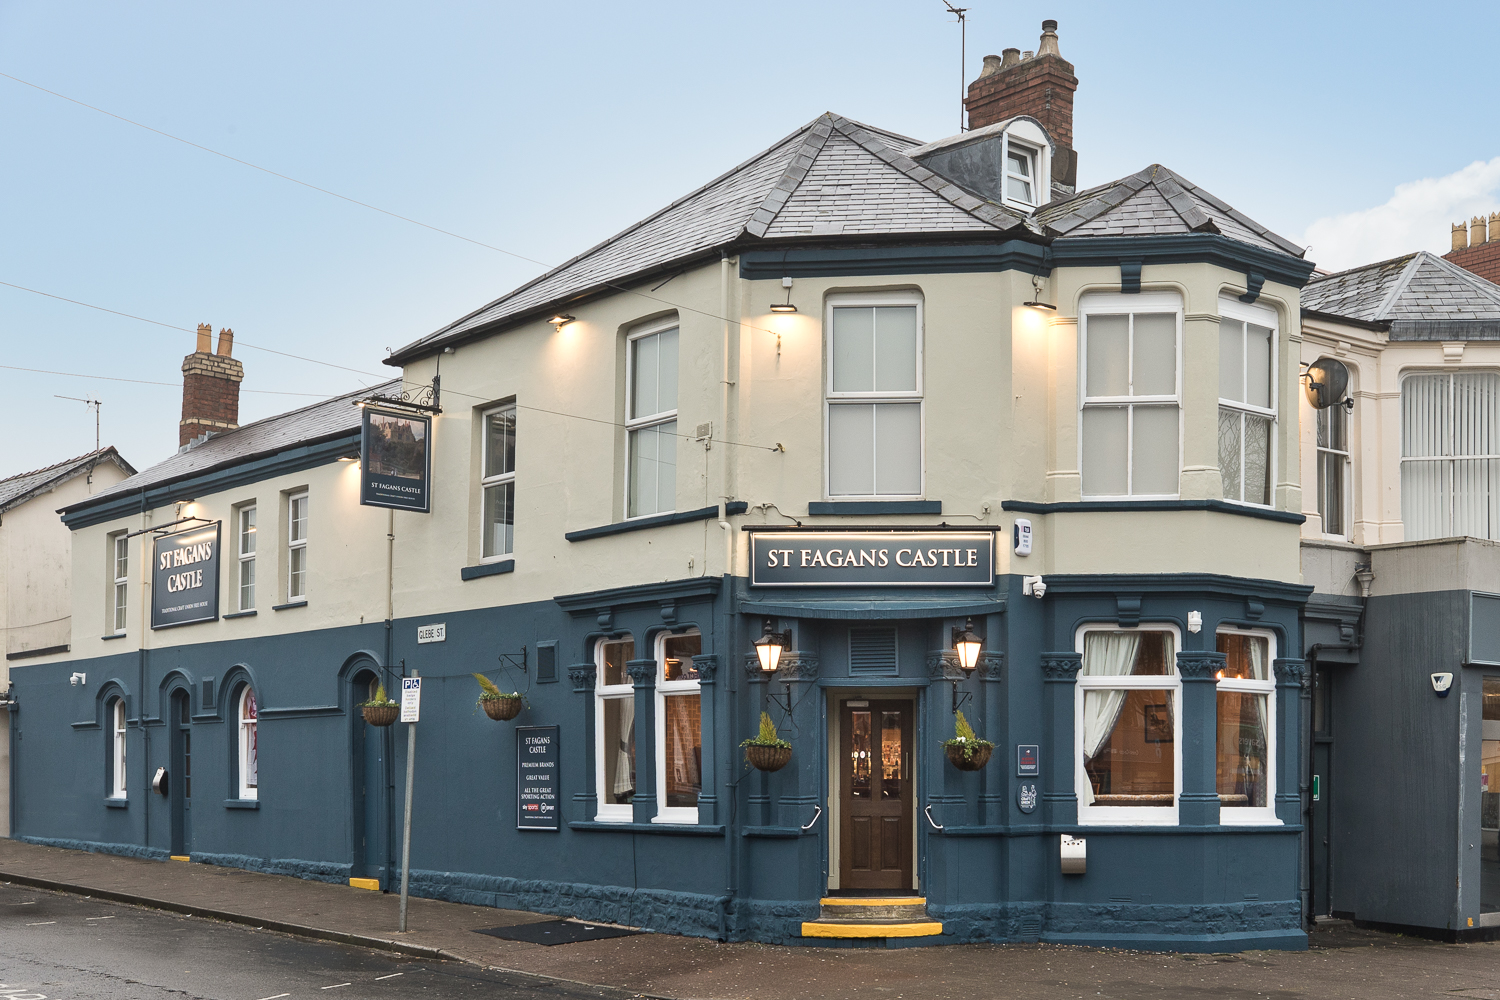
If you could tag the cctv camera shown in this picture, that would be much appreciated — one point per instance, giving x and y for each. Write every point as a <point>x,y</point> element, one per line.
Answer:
<point>1032,586</point>
<point>1039,589</point>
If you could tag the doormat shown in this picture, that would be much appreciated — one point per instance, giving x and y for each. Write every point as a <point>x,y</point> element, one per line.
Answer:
<point>556,932</point>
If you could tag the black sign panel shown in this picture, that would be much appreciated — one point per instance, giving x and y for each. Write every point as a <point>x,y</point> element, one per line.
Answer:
<point>872,559</point>
<point>1028,760</point>
<point>395,461</point>
<point>185,577</point>
<point>536,778</point>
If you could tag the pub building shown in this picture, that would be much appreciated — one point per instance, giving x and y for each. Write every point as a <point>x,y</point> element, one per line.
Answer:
<point>863,434</point>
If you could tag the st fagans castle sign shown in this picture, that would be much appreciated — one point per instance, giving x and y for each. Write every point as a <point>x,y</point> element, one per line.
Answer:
<point>185,577</point>
<point>876,558</point>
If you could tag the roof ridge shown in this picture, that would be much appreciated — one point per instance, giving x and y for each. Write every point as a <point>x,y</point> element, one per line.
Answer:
<point>1361,267</point>
<point>815,137</point>
<point>1397,287</point>
<point>1478,281</point>
<point>1255,227</point>
<point>301,409</point>
<point>58,465</point>
<point>1181,201</point>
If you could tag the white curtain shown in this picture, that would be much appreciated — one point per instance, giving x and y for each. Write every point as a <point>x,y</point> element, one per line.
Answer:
<point>624,783</point>
<point>1105,654</point>
<point>1258,671</point>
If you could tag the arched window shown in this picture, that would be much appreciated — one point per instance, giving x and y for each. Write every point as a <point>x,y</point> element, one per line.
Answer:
<point>117,755</point>
<point>247,715</point>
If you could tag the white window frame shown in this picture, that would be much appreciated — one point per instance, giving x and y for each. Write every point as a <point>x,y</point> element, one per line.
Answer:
<point>119,591</point>
<point>664,687</point>
<point>608,812</point>
<point>1344,459</point>
<point>832,399</point>
<point>1092,815</point>
<point>1451,458</point>
<point>1035,155</point>
<point>119,735</point>
<point>246,558</point>
<point>293,543</point>
<point>499,479</point>
<point>1113,304</point>
<point>1263,316</point>
<point>633,424</point>
<point>1252,815</point>
<point>244,726</point>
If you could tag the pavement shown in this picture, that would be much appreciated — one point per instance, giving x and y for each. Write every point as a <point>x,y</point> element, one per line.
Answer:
<point>1343,961</point>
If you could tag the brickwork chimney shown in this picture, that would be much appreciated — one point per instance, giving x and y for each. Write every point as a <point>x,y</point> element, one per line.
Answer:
<point>210,387</point>
<point>1472,251</point>
<point>1040,85</point>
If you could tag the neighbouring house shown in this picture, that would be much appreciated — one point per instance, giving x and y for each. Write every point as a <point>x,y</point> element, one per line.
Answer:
<point>1476,247</point>
<point>1402,631</point>
<point>36,604</point>
<point>863,433</point>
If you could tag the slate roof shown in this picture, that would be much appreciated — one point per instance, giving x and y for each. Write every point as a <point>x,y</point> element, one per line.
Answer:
<point>1417,296</point>
<point>837,177</point>
<point>329,418</point>
<point>18,489</point>
<point>1155,201</point>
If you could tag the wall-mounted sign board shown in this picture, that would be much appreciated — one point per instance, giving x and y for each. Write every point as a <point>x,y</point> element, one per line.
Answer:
<point>536,777</point>
<point>872,559</point>
<point>411,699</point>
<point>395,460</point>
<point>432,633</point>
<point>185,577</point>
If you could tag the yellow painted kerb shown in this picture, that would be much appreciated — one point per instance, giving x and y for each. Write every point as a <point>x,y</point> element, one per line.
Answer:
<point>833,930</point>
<point>861,901</point>
<point>181,857</point>
<point>365,883</point>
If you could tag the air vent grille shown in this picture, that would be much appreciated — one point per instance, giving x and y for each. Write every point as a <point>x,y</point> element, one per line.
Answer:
<point>872,651</point>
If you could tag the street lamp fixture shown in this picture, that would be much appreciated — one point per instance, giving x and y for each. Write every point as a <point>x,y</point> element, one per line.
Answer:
<point>769,647</point>
<point>967,645</point>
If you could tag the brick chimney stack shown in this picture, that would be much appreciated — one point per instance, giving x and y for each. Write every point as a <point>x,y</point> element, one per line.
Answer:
<point>210,388</point>
<point>1476,250</point>
<point>1040,85</point>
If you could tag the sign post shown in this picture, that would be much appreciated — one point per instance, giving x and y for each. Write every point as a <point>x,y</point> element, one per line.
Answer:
<point>411,710</point>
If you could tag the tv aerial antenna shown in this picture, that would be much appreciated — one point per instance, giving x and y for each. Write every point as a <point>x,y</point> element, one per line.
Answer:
<point>92,404</point>
<point>963,44</point>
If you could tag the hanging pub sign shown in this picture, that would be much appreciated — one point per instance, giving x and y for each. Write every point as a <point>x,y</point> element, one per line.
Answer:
<point>872,558</point>
<point>185,577</point>
<point>536,780</point>
<point>395,460</point>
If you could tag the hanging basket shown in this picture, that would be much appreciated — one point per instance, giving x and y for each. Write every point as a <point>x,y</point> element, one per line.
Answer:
<point>974,761</point>
<point>764,758</point>
<point>502,708</point>
<point>381,715</point>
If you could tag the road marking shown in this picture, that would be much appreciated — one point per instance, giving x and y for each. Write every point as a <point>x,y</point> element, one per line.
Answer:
<point>276,997</point>
<point>335,986</point>
<point>110,917</point>
<point>42,923</point>
<point>391,976</point>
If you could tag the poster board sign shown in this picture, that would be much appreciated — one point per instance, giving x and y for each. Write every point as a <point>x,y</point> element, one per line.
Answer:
<point>872,559</point>
<point>185,577</point>
<point>395,460</point>
<point>536,777</point>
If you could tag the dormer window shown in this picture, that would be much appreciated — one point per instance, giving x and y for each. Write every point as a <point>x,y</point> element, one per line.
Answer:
<point>1020,174</point>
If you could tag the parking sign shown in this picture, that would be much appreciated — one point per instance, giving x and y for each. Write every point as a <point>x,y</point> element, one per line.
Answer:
<point>411,698</point>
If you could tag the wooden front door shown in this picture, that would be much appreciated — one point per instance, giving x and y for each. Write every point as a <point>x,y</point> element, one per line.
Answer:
<point>875,845</point>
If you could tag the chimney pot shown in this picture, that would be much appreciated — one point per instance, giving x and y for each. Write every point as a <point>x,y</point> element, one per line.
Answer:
<point>1027,55</point>
<point>210,388</point>
<point>1012,58</point>
<point>1039,84</point>
<point>1050,26</point>
<point>205,337</point>
<point>226,343</point>
<point>1476,231</point>
<point>991,66</point>
<point>1048,44</point>
<point>1495,227</point>
<point>1460,236</point>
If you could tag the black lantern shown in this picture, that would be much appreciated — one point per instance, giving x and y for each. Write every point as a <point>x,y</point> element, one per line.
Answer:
<point>769,647</point>
<point>966,644</point>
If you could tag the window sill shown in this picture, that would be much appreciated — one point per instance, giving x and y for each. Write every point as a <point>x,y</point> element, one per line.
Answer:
<point>1227,817</point>
<point>1117,506</point>
<point>241,803</point>
<point>117,635</point>
<point>244,614</point>
<point>487,569</point>
<point>112,802</point>
<point>292,604</point>
<point>875,507</point>
<point>656,521</point>
<point>677,829</point>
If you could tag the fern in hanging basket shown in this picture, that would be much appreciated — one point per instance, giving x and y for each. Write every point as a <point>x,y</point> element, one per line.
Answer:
<point>496,703</point>
<point>380,710</point>
<point>965,750</point>
<point>766,751</point>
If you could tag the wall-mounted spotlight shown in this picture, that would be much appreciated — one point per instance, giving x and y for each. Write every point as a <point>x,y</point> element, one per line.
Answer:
<point>785,307</point>
<point>561,320</point>
<point>1036,296</point>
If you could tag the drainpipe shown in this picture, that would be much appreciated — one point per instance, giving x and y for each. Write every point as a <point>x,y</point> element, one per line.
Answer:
<point>144,563</point>
<point>726,489</point>
<point>13,707</point>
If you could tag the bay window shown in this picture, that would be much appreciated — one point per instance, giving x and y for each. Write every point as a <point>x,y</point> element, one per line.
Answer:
<point>874,402</point>
<point>1127,726</point>
<point>651,421</point>
<point>1247,401</point>
<point>1333,470</point>
<point>1450,455</point>
<point>1245,728</point>
<point>679,737</point>
<point>614,729</point>
<point>1130,395</point>
<point>498,483</point>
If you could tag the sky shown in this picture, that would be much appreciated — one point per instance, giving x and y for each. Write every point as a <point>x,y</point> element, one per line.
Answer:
<point>1364,130</point>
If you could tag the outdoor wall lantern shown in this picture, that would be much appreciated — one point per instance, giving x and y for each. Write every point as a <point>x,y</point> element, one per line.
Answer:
<point>785,307</point>
<point>561,320</point>
<point>1036,296</point>
<point>769,647</point>
<point>966,644</point>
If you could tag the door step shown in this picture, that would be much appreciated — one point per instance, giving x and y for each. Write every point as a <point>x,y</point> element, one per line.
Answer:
<point>866,917</point>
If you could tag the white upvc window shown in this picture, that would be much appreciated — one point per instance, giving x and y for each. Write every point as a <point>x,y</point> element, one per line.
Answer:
<point>679,734</point>
<point>245,549</point>
<point>1450,455</point>
<point>1128,726</point>
<point>614,730</point>
<point>296,545</point>
<point>498,483</point>
<point>1334,497</point>
<point>117,752</point>
<point>248,715</point>
<point>1245,723</point>
<point>1022,186</point>
<point>119,563</point>
<point>651,420</point>
<point>1247,401</point>
<point>1130,395</point>
<point>874,404</point>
